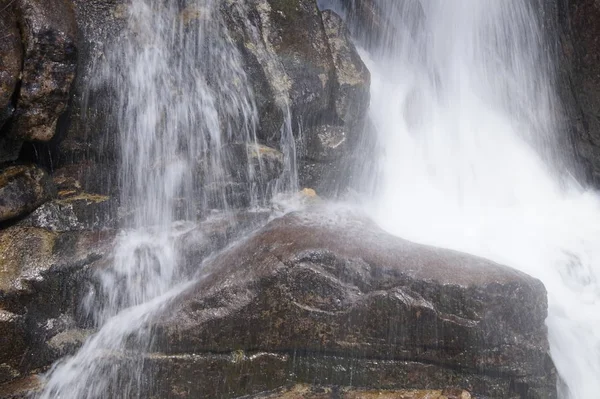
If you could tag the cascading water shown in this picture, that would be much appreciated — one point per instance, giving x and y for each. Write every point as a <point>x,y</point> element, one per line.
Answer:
<point>464,106</point>
<point>181,103</point>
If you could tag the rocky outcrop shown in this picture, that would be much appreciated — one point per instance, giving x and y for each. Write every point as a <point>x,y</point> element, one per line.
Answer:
<point>328,298</point>
<point>22,189</point>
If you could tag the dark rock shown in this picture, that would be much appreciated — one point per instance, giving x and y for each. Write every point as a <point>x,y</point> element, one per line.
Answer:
<point>319,292</point>
<point>581,69</point>
<point>49,33</point>
<point>91,136</point>
<point>23,189</point>
<point>287,55</point>
<point>352,77</point>
<point>325,143</point>
<point>42,274</point>
<point>11,59</point>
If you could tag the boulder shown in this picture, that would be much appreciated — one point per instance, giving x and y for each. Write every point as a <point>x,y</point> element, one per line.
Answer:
<point>22,189</point>
<point>49,34</point>
<point>326,297</point>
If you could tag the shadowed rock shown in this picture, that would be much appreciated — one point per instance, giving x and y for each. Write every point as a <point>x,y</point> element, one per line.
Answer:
<point>49,33</point>
<point>11,59</point>
<point>22,189</point>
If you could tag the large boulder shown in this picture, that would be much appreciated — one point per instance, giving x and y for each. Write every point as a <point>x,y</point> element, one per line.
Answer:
<point>329,298</point>
<point>22,189</point>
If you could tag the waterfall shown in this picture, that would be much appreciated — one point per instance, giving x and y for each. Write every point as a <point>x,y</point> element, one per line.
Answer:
<point>181,103</point>
<point>465,109</point>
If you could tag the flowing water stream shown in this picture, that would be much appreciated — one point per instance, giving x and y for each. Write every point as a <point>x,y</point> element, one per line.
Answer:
<point>464,106</point>
<point>181,103</point>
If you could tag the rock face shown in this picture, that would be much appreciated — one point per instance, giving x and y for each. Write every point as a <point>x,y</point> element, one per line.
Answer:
<point>331,299</point>
<point>581,53</point>
<point>50,54</point>
<point>23,189</point>
<point>10,62</point>
<point>11,59</point>
<point>41,279</point>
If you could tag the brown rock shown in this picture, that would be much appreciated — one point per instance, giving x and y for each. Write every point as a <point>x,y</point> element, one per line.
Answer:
<point>49,34</point>
<point>41,279</point>
<point>340,301</point>
<point>23,189</point>
<point>10,59</point>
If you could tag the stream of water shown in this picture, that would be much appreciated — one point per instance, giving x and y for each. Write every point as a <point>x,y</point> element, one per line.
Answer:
<point>464,106</point>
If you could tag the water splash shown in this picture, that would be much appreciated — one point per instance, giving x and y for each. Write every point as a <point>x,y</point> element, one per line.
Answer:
<point>464,106</point>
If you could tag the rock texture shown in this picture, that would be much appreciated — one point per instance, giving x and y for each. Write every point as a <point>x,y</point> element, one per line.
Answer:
<point>331,299</point>
<point>23,189</point>
<point>11,59</point>
<point>49,33</point>
<point>578,24</point>
<point>315,392</point>
<point>41,280</point>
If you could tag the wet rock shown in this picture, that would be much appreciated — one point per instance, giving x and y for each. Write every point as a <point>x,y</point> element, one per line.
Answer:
<point>332,299</point>
<point>21,388</point>
<point>42,275</point>
<point>11,59</point>
<point>326,143</point>
<point>22,189</point>
<point>317,392</point>
<point>49,33</point>
<point>352,77</point>
<point>252,170</point>
<point>288,60</point>
<point>580,56</point>
<point>91,133</point>
<point>79,212</point>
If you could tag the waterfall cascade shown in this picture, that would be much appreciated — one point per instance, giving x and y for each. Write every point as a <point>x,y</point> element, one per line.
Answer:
<point>464,105</point>
<point>182,103</point>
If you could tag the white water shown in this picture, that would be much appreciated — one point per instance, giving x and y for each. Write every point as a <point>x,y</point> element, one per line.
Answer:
<point>459,107</point>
